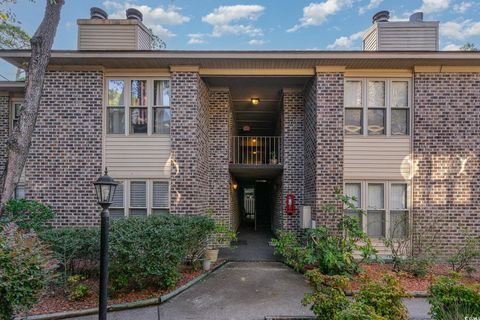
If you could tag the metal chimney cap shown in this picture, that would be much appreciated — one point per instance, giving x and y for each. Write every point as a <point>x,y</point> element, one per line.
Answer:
<point>133,13</point>
<point>381,16</point>
<point>97,13</point>
<point>416,17</point>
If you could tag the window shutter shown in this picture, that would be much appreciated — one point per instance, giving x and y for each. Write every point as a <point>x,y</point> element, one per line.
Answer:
<point>160,194</point>
<point>118,197</point>
<point>138,194</point>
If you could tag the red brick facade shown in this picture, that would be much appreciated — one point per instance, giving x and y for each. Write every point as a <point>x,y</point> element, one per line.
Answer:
<point>446,146</point>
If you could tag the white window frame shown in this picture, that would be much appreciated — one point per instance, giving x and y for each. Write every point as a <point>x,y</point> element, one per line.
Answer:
<point>386,198</point>
<point>149,195</point>
<point>13,103</point>
<point>388,107</point>
<point>124,182</point>
<point>128,105</point>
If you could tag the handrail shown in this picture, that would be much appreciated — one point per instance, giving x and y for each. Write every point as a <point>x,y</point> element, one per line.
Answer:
<point>256,150</point>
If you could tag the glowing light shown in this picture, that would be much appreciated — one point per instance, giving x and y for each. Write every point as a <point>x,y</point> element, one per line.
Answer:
<point>255,101</point>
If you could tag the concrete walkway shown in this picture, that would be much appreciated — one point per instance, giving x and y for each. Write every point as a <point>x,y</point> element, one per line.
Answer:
<point>242,290</point>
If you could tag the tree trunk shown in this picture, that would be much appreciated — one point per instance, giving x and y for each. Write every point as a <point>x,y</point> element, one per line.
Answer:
<point>19,141</point>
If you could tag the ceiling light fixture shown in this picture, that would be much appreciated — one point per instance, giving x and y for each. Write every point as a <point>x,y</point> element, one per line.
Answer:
<point>255,101</point>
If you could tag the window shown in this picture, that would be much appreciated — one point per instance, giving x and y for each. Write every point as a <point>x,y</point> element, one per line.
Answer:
<point>20,191</point>
<point>353,108</point>
<point>138,198</point>
<point>15,112</point>
<point>376,210</point>
<point>144,104</point>
<point>354,190</point>
<point>161,106</point>
<point>398,210</point>
<point>400,111</point>
<point>115,107</point>
<point>386,206</point>
<point>138,107</point>
<point>160,197</point>
<point>117,210</point>
<point>384,111</point>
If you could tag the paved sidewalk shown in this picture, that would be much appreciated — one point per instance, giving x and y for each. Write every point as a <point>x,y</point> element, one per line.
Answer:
<point>242,290</point>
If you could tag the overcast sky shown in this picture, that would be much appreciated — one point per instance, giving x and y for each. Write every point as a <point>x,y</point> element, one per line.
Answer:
<point>261,24</point>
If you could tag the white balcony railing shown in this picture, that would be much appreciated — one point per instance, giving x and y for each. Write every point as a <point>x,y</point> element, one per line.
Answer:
<point>257,150</point>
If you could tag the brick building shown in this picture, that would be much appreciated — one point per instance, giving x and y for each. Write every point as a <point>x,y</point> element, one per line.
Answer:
<point>238,131</point>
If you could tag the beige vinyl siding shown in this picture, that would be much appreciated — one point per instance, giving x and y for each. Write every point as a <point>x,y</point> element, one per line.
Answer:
<point>138,156</point>
<point>419,38</point>
<point>370,41</point>
<point>376,158</point>
<point>107,37</point>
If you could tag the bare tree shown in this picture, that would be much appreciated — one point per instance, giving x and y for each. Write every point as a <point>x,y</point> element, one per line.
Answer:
<point>19,141</point>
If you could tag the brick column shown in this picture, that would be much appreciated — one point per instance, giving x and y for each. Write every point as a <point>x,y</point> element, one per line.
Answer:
<point>66,152</point>
<point>446,144</point>
<point>293,117</point>
<point>310,144</point>
<point>219,190</point>
<point>4,129</point>
<point>189,143</point>
<point>329,145</point>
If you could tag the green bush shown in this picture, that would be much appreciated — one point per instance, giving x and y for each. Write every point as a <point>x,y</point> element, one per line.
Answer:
<point>331,251</point>
<point>76,249</point>
<point>147,251</point>
<point>416,266</point>
<point>451,300</point>
<point>385,297</point>
<point>358,311</point>
<point>25,269</point>
<point>76,289</point>
<point>287,245</point>
<point>463,258</point>
<point>328,297</point>
<point>27,214</point>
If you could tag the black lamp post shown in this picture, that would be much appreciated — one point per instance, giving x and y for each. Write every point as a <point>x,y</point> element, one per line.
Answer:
<point>105,188</point>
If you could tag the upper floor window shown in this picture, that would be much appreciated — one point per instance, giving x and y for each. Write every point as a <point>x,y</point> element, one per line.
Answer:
<point>377,107</point>
<point>138,106</point>
<point>16,107</point>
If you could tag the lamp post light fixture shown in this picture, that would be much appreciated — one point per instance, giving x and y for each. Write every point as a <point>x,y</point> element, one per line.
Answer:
<point>105,188</point>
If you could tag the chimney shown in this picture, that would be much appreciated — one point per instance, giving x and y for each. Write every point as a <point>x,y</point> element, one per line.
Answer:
<point>101,33</point>
<point>412,35</point>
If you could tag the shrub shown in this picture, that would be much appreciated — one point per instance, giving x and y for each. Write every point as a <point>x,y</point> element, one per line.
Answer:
<point>416,266</point>
<point>384,296</point>
<point>358,311</point>
<point>77,249</point>
<point>451,300</point>
<point>25,269</point>
<point>147,251</point>
<point>27,214</point>
<point>76,289</point>
<point>288,246</point>
<point>328,297</point>
<point>465,255</point>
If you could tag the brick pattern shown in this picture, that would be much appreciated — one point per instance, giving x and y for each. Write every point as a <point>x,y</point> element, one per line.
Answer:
<point>293,114</point>
<point>329,87</point>
<point>4,129</point>
<point>219,190</point>
<point>187,144</point>
<point>277,204</point>
<point>446,143</point>
<point>203,131</point>
<point>310,144</point>
<point>66,152</point>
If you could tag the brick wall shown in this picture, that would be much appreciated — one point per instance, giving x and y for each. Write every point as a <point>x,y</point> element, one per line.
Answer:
<point>293,153</point>
<point>188,143</point>
<point>219,191</point>
<point>310,144</point>
<point>329,87</point>
<point>4,129</point>
<point>66,152</point>
<point>446,182</point>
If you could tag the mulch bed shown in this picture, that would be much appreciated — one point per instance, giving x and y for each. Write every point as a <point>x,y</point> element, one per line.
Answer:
<point>409,282</point>
<point>55,299</point>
